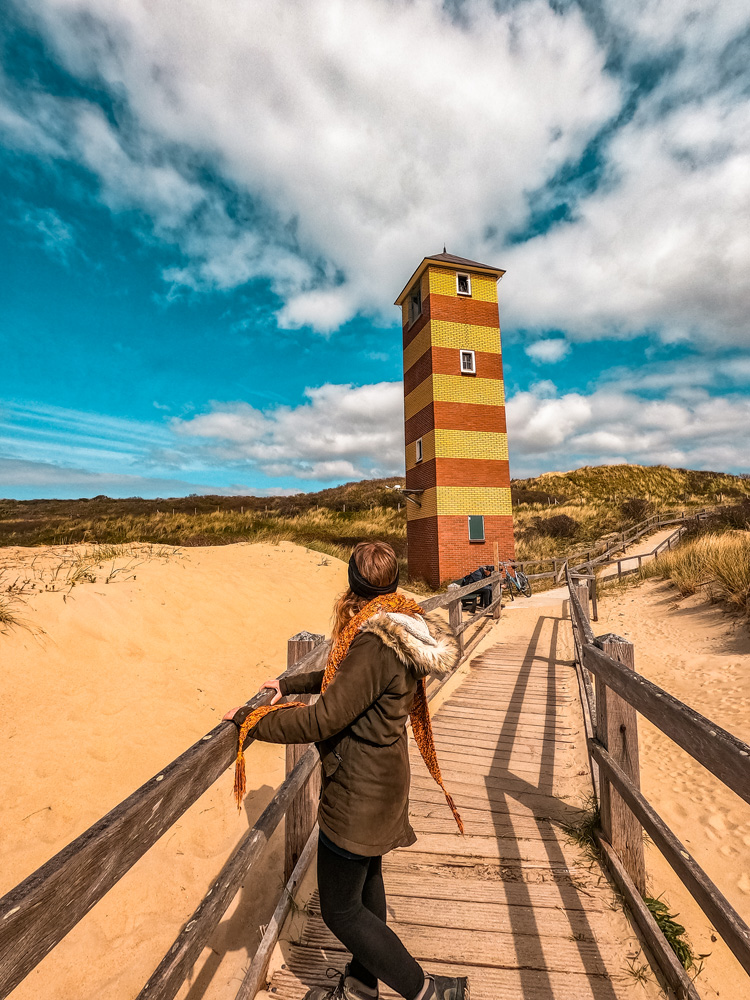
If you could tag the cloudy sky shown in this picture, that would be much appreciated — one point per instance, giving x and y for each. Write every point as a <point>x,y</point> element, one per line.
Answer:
<point>208,209</point>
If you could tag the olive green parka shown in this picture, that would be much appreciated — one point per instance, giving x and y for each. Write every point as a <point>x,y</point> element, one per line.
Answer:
<point>359,727</point>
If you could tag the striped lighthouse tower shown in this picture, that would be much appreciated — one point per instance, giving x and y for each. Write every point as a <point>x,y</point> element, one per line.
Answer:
<point>457,477</point>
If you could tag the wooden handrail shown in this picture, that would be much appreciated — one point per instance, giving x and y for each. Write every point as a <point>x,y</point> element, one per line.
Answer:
<point>723,754</point>
<point>719,751</point>
<point>714,904</point>
<point>191,940</point>
<point>38,913</point>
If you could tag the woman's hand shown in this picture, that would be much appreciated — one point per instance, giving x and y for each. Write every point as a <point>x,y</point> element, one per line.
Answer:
<point>274,685</point>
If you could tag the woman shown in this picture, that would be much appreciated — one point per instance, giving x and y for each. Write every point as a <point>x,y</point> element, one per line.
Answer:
<point>382,648</point>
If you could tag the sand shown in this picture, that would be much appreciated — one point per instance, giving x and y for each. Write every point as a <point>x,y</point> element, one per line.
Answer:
<point>128,674</point>
<point>125,676</point>
<point>702,656</point>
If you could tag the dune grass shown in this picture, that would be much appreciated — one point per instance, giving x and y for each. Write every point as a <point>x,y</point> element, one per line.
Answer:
<point>555,514</point>
<point>717,565</point>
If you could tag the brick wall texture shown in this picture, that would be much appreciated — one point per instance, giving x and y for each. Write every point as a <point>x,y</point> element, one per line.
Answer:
<point>461,421</point>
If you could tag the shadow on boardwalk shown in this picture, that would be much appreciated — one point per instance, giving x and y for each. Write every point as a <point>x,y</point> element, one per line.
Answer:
<point>512,904</point>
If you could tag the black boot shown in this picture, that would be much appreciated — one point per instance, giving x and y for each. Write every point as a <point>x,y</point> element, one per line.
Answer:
<point>347,988</point>
<point>445,988</point>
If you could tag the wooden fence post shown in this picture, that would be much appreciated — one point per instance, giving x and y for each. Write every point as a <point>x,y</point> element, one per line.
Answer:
<point>593,595</point>
<point>455,619</point>
<point>582,587</point>
<point>303,811</point>
<point>497,586</point>
<point>617,731</point>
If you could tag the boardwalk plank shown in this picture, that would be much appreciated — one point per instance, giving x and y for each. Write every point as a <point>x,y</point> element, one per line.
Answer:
<point>512,903</point>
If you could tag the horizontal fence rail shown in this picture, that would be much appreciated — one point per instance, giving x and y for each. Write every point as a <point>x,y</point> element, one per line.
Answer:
<point>41,910</point>
<point>727,757</point>
<point>38,913</point>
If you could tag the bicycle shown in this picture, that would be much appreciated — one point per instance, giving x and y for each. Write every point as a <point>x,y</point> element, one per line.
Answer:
<point>515,580</point>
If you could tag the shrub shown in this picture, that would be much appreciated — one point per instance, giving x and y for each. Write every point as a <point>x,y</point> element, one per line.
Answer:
<point>636,509</point>
<point>735,516</point>
<point>557,526</point>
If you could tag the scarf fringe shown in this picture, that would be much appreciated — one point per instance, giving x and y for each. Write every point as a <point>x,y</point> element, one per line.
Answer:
<point>240,782</point>
<point>421,724</point>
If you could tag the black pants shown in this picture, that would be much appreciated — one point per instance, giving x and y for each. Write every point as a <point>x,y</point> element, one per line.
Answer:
<point>485,597</point>
<point>352,904</point>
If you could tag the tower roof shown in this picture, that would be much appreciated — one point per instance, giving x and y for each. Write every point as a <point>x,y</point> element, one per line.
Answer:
<point>451,259</point>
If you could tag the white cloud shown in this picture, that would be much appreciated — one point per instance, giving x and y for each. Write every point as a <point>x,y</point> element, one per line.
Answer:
<point>662,243</point>
<point>341,432</point>
<point>356,136</point>
<point>347,150</point>
<point>609,425</point>
<point>56,235</point>
<point>548,351</point>
<point>24,479</point>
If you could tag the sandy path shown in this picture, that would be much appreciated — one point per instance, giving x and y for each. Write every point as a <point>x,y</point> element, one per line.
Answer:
<point>700,655</point>
<point>126,676</point>
<point>642,547</point>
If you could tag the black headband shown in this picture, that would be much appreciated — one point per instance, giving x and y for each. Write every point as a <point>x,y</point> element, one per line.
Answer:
<point>363,588</point>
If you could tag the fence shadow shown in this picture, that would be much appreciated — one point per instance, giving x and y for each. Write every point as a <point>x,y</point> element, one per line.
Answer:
<point>548,810</point>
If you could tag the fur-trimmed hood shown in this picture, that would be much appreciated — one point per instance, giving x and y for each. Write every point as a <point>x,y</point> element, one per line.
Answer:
<point>424,643</point>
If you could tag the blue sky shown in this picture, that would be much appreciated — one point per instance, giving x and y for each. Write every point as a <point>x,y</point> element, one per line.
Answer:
<point>208,209</point>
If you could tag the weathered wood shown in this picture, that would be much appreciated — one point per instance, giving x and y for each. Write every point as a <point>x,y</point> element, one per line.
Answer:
<point>38,913</point>
<point>193,937</point>
<point>453,591</point>
<point>302,812</point>
<point>454,620</point>
<point>668,962</point>
<point>720,752</point>
<point>724,918</point>
<point>593,597</point>
<point>617,731</point>
<point>255,977</point>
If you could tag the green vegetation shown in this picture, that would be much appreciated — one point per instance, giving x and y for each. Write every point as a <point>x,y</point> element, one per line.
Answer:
<point>582,831</point>
<point>718,565</point>
<point>675,934</point>
<point>554,513</point>
<point>614,484</point>
<point>583,834</point>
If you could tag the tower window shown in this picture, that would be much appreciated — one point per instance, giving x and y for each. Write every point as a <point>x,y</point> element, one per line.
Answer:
<point>476,527</point>
<point>418,449</point>
<point>415,303</point>
<point>468,363</point>
<point>463,284</point>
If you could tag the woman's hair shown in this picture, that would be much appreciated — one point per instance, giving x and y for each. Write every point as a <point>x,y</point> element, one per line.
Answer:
<point>377,563</point>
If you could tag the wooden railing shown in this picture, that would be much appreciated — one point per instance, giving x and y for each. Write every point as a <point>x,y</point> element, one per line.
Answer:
<point>611,705</point>
<point>38,913</point>
<point>601,554</point>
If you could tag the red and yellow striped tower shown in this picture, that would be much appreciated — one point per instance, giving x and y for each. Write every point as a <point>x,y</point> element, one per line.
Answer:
<point>456,444</point>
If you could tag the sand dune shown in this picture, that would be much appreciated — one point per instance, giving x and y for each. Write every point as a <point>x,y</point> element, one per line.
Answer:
<point>126,675</point>
<point>702,656</point>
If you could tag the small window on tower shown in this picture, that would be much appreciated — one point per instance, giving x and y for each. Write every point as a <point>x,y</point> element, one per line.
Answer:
<point>418,448</point>
<point>415,303</point>
<point>468,363</point>
<point>476,527</point>
<point>463,284</point>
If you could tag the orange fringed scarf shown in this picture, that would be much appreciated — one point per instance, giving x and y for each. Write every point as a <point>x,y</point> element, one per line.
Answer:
<point>421,724</point>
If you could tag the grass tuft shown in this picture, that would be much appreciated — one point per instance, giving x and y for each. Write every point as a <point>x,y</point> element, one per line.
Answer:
<point>718,565</point>
<point>675,935</point>
<point>581,833</point>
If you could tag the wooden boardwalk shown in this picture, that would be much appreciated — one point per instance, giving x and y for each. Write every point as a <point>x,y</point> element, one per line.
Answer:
<point>513,904</point>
